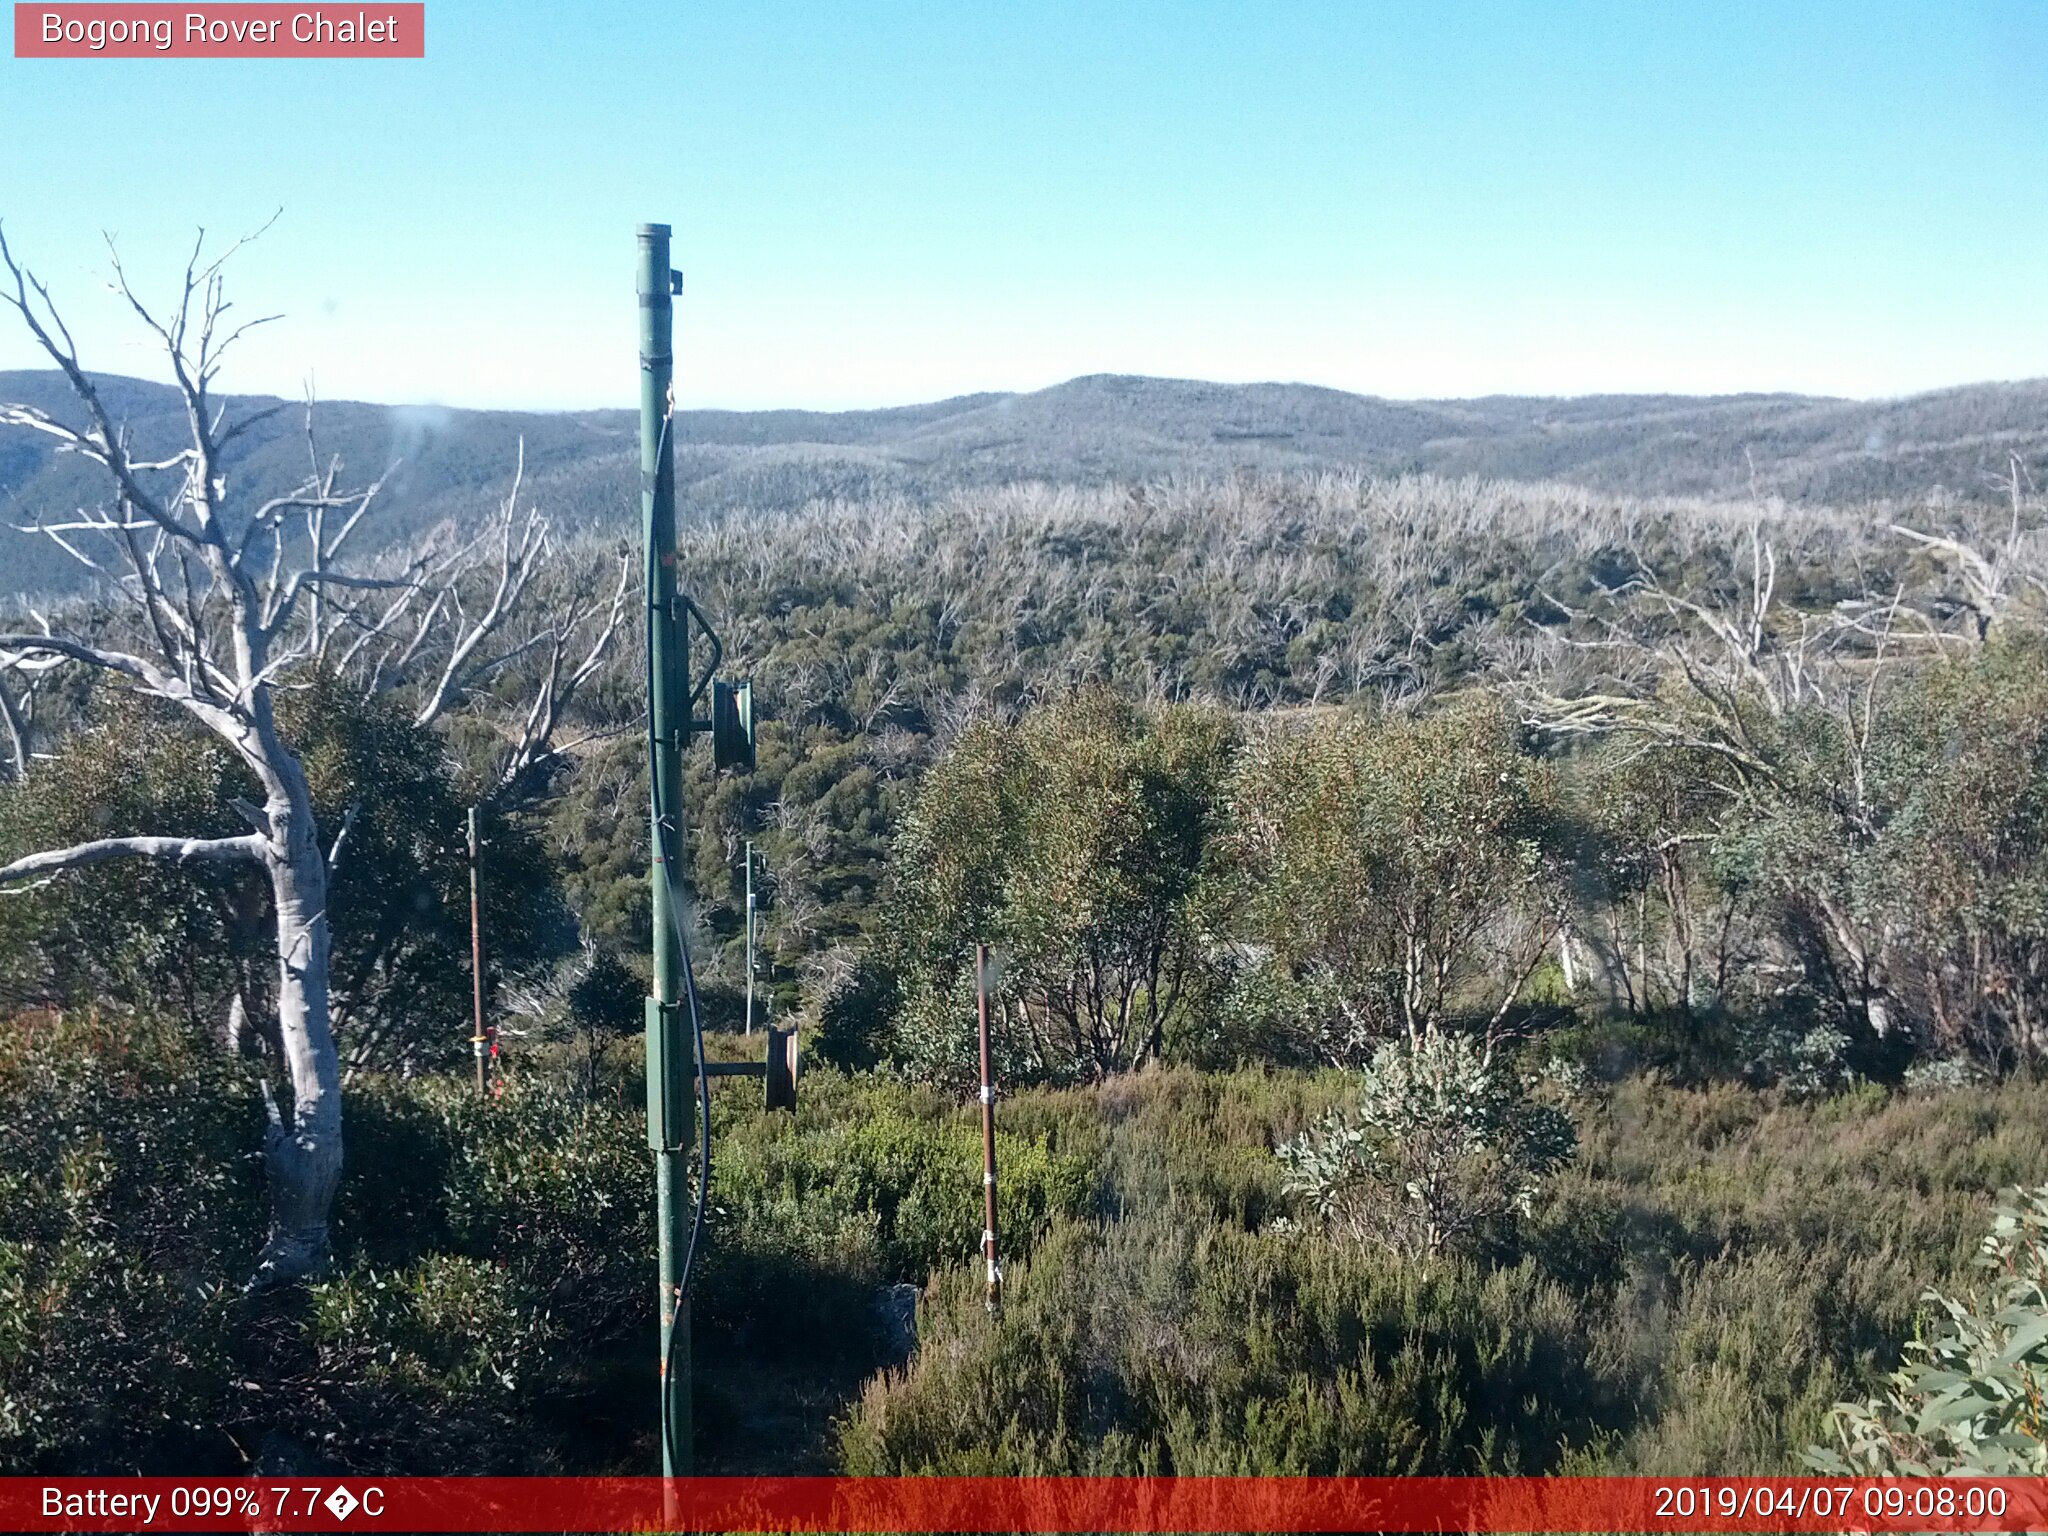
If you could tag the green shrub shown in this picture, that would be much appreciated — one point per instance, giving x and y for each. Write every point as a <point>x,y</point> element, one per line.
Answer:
<point>605,998</point>
<point>154,938</point>
<point>856,1016</point>
<point>482,1239</point>
<point>1445,1145</point>
<point>434,1365</point>
<point>1973,1404</point>
<point>125,1178</point>
<point>1722,1263</point>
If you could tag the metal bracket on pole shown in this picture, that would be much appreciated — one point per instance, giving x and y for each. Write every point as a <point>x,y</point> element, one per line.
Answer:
<point>671,1079</point>
<point>779,1068</point>
<point>732,725</point>
<point>691,611</point>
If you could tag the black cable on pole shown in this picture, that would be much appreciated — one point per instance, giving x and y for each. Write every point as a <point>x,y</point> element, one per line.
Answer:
<point>668,1373</point>
<point>664,832</point>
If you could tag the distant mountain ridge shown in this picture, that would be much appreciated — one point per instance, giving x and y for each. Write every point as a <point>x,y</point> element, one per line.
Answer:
<point>583,465</point>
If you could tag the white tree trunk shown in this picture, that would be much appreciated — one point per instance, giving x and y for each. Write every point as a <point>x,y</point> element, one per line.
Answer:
<point>302,1152</point>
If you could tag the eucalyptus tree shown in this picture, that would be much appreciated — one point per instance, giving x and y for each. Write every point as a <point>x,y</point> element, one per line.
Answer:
<point>1077,840</point>
<point>224,599</point>
<point>1400,873</point>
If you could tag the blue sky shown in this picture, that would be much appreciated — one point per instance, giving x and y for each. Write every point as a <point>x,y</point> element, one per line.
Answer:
<point>884,202</point>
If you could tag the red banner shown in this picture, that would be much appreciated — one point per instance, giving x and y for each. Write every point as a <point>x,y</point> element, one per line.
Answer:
<point>1045,1504</point>
<point>232,31</point>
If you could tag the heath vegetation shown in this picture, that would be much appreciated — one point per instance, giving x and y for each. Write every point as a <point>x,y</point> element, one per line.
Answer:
<point>1492,977</point>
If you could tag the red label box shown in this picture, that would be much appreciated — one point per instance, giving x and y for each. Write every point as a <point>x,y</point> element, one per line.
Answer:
<point>1163,1506</point>
<point>366,29</point>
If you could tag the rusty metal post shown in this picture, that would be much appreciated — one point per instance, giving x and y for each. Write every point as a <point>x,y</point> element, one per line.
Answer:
<point>750,937</point>
<point>476,958</point>
<point>994,1300</point>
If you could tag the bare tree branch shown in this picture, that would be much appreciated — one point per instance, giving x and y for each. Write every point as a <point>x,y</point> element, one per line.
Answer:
<point>172,850</point>
<point>517,561</point>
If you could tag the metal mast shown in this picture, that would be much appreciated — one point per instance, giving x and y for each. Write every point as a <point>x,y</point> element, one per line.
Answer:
<point>670,1117</point>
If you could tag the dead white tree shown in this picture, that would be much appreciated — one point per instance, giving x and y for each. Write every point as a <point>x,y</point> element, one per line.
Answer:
<point>1735,668</point>
<point>477,612</point>
<point>1993,577</point>
<point>226,604</point>
<point>21,683</point>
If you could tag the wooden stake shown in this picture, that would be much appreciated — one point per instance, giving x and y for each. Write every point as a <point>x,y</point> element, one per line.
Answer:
<point>750,938</point>
<point>476,957</point>
<point>994,1300</point>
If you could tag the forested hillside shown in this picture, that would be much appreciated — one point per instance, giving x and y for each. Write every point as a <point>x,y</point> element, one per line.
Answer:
<point>1686,855</point>
<point>449,464</point>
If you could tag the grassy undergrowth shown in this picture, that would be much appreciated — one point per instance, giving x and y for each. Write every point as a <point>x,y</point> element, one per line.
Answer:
<point>1716,1268</point>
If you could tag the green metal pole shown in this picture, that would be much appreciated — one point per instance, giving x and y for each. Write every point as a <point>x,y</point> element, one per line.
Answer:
<point>670,1072</point>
